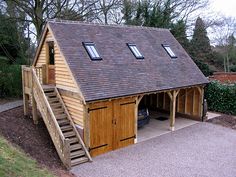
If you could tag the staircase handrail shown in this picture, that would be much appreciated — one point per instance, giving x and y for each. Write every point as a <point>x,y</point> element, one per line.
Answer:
<point>73,125</point>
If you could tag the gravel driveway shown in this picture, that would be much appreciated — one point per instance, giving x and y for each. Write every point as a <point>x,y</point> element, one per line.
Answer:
<point>200,150</point>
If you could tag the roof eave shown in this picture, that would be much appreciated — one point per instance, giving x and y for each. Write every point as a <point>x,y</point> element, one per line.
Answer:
<point>145,93</point>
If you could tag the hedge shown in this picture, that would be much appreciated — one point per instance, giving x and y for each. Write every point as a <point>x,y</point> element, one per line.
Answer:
<point>10,81</point>
<point>221,97</point>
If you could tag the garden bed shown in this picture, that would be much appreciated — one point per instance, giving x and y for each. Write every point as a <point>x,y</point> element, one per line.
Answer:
<point>224,120</point>
<point>33,139</point>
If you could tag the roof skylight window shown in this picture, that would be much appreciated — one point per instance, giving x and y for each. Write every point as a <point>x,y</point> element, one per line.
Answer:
<point>92,51</point>
<point>169,51</point>
<point>135,51</point>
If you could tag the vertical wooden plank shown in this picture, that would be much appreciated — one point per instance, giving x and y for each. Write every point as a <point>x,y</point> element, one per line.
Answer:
<point>201,95</point>
<point>185,101</point>
<point>101,128</point>
<point>136,118</point>
<point>124,114</point>
<point>34,104</point>
<point>194,102</point>
<point>138,100</point>
<point>66,152</point>
<point>44,74</point>
<point>172,96</point>
<point>86,127</point>
<point>34,110</point>
<point>25,98</point>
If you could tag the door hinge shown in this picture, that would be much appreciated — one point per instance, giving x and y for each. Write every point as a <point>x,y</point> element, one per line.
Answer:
<point>114,121</point>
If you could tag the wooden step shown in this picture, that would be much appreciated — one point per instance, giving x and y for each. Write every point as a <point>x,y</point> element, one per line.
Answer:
<point>78,153</point>
<point>75,147</point>
<point>66,128</point>
<point>73,140</point>
<point>78,161</point>
<point>46,90</point>
<point>56,105</point>
<point>57,109</point>
<point>50,94</point>
<point>69,134</point>
<point>58,112</point>
<point>61,116</point>
<point>53,100</point>
<point>63,122</point>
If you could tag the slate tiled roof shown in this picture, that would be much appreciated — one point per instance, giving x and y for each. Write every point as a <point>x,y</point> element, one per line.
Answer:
<point>119,73</point>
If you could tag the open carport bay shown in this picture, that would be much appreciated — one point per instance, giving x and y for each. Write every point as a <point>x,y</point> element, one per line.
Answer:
<point>157,127</point>
<point>200,150</point>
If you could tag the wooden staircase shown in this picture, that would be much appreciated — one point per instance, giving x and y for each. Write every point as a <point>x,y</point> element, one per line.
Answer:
<point>77,151</point>
<point>66,139</point>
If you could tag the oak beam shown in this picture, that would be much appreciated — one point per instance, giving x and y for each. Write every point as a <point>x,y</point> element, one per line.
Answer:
<point>172,96</point>
<point>34,110</point>
<point>44,74</point>
<point>185,101</point>
<point>86,127</point>
<point>25,96</point>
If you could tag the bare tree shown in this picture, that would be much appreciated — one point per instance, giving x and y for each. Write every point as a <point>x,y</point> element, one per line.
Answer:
<point>222,35</point>
<point>38,11</point>
<point>108,11</point>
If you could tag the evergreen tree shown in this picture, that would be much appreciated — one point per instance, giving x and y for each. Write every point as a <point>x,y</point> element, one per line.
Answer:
<point>179,31</point>
<point>200,43</point>
<point>127,11</point>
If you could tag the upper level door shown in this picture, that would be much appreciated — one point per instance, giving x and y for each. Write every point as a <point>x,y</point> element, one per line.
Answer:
<point>50,63</point>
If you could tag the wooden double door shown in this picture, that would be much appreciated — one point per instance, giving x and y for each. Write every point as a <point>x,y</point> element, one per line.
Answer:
<point>112,125</point>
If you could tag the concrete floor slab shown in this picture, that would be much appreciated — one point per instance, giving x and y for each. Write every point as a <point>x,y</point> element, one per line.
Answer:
<point>200,150</point>
<point>156,127</point>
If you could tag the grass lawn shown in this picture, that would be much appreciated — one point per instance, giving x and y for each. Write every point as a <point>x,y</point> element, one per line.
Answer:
<point>14,162</point>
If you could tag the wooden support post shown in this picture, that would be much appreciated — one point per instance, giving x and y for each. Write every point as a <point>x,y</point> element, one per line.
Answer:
<point>185,101</point>
<point>172,96</point>
<point>86,127</point>
<point>201,95</point>
<point>138,99</point>
<point>26,104</point>
<point>34,110</point>
<point>34,104</point>
<point>25,96</point>
<point>194,102</point>
<point>44,74</point>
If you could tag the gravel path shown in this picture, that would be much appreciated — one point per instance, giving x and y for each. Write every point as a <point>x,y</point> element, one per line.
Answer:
<point>10,105</point>
<point>200,150</point>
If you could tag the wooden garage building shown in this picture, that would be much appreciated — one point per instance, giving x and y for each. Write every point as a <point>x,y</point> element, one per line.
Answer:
<point>87,81</point>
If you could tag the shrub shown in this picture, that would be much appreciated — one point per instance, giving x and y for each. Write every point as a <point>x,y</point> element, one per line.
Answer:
<point>10,81</point>
<point>233,68</point>
<point>203,67</point>
<point>221,97</point>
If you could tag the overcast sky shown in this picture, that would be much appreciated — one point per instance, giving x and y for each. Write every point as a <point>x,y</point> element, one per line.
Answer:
<point>225,7</point>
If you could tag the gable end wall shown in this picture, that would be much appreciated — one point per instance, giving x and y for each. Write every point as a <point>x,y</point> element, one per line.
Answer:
<point>63,79</point>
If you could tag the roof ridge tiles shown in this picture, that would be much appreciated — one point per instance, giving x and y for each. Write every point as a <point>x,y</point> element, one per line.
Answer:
<point>56,20</point>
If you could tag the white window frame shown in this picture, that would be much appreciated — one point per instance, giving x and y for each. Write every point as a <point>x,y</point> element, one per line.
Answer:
<point>92,51</point>
<point>169,51</point>
<point>135,51</point>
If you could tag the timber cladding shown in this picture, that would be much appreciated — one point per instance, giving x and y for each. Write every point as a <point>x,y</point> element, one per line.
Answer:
<point>188,102</point>
<point>111,125</point>
<point>74,105</point>
<point>63,77</point>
